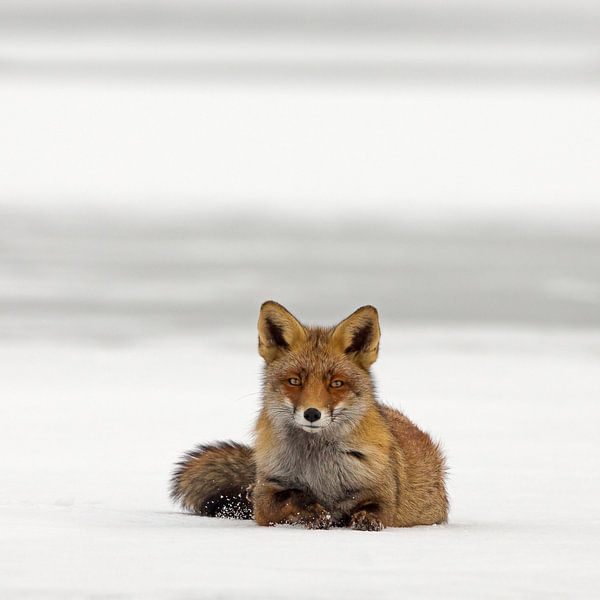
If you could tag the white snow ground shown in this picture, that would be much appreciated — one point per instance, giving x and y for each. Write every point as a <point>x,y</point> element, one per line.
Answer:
<point>90,434</point>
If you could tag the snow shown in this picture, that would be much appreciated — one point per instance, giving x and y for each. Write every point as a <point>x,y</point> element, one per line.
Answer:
<point>90,433</point>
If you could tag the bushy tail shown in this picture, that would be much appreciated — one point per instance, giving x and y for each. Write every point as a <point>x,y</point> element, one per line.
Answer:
<point>212,480</point>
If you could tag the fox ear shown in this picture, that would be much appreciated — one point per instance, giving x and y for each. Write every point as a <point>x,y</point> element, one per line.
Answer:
<point>358,336</point>
<point>278,331</point>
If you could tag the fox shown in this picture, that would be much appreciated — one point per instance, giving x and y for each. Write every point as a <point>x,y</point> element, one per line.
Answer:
<point>327,453</point>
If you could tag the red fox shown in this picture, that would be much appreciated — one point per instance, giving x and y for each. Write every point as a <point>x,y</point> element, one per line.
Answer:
<point>327,453</point>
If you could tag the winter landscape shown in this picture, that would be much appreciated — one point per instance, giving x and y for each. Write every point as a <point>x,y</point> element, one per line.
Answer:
<point>156,185</point>
<point>100,398</point>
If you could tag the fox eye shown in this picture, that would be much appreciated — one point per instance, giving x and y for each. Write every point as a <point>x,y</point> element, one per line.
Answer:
<point>294,381</point>
<point>336,383</point>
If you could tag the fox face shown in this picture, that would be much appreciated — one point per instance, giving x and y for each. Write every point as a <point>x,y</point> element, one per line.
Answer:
<point>317,379</point>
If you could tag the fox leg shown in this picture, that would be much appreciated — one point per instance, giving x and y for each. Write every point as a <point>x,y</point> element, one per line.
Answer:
<point>275,504</point>
<point>366,514</point>
<point>366,519</point>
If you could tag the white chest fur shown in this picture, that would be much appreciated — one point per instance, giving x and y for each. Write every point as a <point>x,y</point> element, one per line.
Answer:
<point>327,469</point>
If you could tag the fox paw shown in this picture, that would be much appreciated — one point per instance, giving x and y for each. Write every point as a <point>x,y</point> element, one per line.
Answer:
<point>319,519</point>
<point>365,521</point>
<point>313,517</point>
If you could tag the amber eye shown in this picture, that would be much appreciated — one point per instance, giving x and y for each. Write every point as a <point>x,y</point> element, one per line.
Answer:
<point>337,383</point>
<point>294,381</point>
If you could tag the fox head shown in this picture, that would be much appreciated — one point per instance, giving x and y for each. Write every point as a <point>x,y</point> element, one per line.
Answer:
<point>317,379</point>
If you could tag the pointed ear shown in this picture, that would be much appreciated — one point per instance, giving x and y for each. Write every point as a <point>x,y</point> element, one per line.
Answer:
<point>358,336</point>
<point>278,331</point>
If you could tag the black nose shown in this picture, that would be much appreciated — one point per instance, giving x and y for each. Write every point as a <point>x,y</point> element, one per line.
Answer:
<point>312,414</point>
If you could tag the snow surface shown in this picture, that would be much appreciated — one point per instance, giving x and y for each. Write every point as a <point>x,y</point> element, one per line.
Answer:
<point>90,434</point>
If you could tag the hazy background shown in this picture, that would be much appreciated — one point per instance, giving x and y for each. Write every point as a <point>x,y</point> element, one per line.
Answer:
<point>166,166</point>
